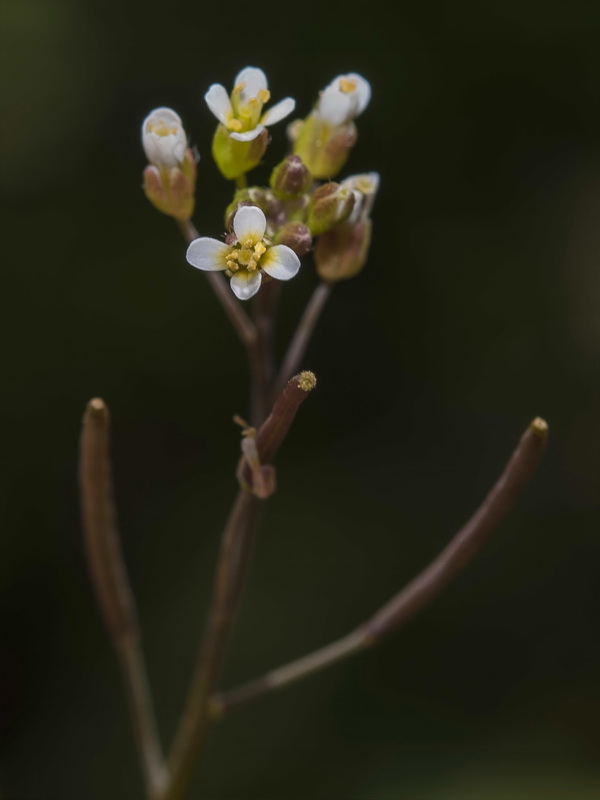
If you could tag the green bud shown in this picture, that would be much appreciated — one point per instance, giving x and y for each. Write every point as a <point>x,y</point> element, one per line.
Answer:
<point>171,189</point>
<point>342,252</point>
<point>295,235</point>
<point>323,149</point>
<point>330,204</point>
<point>235,158</point>
<point>290,179</point>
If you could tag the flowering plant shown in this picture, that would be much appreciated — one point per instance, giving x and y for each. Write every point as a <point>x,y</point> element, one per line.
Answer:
<point>268,231</point>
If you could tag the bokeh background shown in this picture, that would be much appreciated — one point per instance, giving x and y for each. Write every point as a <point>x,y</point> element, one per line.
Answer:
<point>479,309</point>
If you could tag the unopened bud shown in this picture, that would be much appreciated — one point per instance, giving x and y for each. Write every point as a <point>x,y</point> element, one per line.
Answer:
<point>297,236</point>
<point>170,178</point>
<point>341,252</point>
<point>171,189</point>
<point>324,150</point>
<point>256,196</point>
<point>234,157</point>
<point>291,178</point>
<point>330,205</point>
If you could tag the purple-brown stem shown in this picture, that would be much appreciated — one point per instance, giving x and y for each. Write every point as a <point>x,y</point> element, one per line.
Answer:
<point>111,585</point>
<point>232,568</point>
<point>424,588</point>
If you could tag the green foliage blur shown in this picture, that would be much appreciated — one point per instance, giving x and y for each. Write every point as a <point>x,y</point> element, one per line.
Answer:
<point>478,310</point>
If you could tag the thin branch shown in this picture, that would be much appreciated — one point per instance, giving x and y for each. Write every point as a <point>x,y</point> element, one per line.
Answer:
<point>232,568</point>
<point>237,316</point>
<point>304,331</point>
<point>424,588</point>
<point>111,584</point>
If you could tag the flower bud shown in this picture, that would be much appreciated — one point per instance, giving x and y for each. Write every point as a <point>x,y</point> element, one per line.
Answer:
<point>342,252</point>
<point>328,134</point>
<point>296,235</point>
<point>330,204</point>
<point>234,157</point>
<point>290,179</point>
<point>324,150</point>
<point>256,196</point>
<point>170,178</point>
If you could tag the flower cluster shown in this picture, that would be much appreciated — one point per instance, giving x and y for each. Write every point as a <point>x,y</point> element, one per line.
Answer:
<point>269,228</point>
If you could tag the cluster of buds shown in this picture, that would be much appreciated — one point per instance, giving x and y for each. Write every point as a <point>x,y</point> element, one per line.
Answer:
<point>269,228</point>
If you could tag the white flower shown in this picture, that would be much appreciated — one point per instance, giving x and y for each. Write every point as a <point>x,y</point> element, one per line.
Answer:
<point>241,113</point>
<point>343,99</point>
<point>248,257</point>
<point>163,138</point>
<point>364,187</point>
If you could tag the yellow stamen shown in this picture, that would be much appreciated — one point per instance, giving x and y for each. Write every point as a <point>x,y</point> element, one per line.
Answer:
<point>233,254</point>
<point>239,88</point>
<point>234,125</point>
<point>249,242</point>
<point>347,85</point>
<point>264,95</point>
<point>251,265</point>
<point>259,249</point>
<point>232,265</point>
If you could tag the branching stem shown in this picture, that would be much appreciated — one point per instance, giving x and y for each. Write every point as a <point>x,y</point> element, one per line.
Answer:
<point>423,589</point>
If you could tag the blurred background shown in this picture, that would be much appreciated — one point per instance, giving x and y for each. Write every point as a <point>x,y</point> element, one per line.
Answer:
<point>478,309</point>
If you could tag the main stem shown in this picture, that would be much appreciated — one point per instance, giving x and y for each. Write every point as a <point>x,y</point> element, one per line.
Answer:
<point>232,564</point>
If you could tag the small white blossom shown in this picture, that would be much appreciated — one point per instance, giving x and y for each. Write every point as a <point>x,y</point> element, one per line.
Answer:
<point>343,99</point>
<point>163,138</point>
<point>241,112</point>
<point>248,257</point>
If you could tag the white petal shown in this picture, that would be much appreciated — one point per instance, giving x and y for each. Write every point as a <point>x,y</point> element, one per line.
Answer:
<point>219,103</point>
<point>279,111</point>
<point>254,80</point>
<point>167,115</point>
<point>280,262</point>
<point>208,254</point>
<point>335,107</point>
<point>248,136</point>
<point>245,284</point>
<point>363,91</point>
<point>249,223</point>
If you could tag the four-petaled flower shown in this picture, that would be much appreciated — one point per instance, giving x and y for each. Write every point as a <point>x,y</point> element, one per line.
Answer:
<point>248,257</point>
<point>343,99</point>
<point>241,113</point>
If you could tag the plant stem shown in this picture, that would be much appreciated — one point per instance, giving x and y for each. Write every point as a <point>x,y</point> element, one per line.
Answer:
<point>303,333</point>
<point>112,588</point>
<point>420,591</point>
<point>232,568</point>
<point>233,559</point>
<point>237,316</point>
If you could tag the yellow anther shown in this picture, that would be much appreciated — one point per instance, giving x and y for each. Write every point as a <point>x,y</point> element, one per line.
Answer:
<point>234,125</point>
<point>239,87</point>
<point>249,243</point>
<point>232,265</point>
<point>264,95</point>
<point>234,254</point>
<point>347,85</point>
<point>251,265</point>
<point>259,249</point>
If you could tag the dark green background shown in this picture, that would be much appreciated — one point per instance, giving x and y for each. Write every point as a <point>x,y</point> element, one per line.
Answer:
<point>479,309</point>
